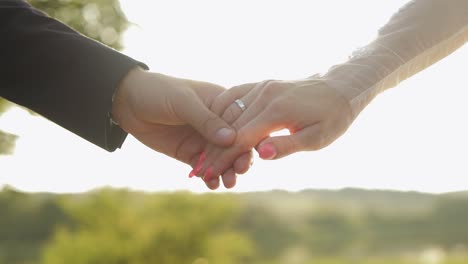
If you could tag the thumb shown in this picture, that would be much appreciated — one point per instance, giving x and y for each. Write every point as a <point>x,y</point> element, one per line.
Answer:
<point>281,146</point>
<point>210,126</point>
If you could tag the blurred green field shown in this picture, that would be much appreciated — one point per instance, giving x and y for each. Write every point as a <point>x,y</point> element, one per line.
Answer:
<point>350,226</point>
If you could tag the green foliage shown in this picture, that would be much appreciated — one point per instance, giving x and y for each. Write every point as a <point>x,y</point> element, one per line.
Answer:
<point>451,213</point>
<point>118,226</point>
<point>270,233</point>
<point>7,143</point>
<point>328,232</point>
<point>26,221</point>
<point>4,104</point>
<point>102,20</point>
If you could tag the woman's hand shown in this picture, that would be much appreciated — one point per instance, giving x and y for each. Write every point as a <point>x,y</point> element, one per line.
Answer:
<point>171,115</point>
<point>314,113</point>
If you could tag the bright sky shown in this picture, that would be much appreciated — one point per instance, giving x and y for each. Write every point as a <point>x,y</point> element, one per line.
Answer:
<point>412,137</point>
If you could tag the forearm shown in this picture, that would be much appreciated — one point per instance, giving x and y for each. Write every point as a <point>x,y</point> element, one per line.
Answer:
<point>418,35</point>
<point>59,73</point>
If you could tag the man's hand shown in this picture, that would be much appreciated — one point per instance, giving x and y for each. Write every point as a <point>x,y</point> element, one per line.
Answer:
<point>171,115</point>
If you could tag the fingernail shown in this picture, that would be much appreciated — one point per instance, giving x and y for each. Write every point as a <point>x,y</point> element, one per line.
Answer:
<point>198,168</point>
<point>208,174</point>
<point>267,151</point>
<point>224,134</point>
<point>199,165</point>
<point>192,174</point>
<point>202,157</point>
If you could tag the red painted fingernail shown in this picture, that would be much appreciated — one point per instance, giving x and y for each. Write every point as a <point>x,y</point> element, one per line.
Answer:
<point>267,151</point>
<point>199,165</point>
<point>208,174</point>
<point>202,157</point>
<point>198,168</point>
<point>192,174</point>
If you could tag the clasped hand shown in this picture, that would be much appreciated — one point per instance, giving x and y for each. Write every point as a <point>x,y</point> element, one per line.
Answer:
<point>202,125</point>
<point>314,113</point>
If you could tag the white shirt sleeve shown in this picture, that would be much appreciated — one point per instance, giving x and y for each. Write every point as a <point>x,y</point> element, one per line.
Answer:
<point>418,35</point>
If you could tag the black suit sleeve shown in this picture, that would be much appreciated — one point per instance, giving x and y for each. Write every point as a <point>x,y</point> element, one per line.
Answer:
<point>59,73</point>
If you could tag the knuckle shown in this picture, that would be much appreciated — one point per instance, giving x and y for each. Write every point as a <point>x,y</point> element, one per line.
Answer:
<point>216,106</point>
<point>224,100</point>
<point>239,127</point>
<point>230,115</point>
<point>271,89</point>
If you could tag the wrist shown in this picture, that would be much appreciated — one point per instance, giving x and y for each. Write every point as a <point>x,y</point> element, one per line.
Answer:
<point>122,112</point>
<point>333,96</point>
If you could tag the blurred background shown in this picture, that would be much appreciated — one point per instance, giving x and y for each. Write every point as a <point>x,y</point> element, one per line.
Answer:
<point>391,190</point>
<point>325,227</point>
